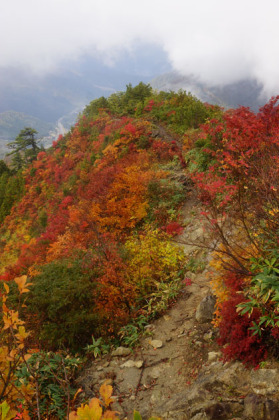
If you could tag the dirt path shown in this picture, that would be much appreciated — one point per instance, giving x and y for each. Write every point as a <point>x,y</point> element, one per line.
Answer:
<point>149,377</point>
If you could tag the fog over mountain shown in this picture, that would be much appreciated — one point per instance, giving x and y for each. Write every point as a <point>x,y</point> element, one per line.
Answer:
<point>247,92</point>
<point>58,55</point>
<point>219,42</point>
<point>52,101</point>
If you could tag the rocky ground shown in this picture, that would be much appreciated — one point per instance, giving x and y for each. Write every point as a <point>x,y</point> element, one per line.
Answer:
<point>176,371</point>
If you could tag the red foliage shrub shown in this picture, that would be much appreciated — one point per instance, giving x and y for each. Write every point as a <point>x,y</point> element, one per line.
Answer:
<point>163,150</point>
<point>234,281</point>
<point>150,105</point>
<point>173,229</point>
<point>236,336</point>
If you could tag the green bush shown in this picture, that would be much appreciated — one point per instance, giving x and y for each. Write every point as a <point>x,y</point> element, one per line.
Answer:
<point>52,374</point>
<point>62,298</point>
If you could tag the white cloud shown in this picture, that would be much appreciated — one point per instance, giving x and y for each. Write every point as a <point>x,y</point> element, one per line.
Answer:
<point>216,40</point>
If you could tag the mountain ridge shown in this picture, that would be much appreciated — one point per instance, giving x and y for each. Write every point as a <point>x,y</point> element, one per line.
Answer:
<point>247,92</point>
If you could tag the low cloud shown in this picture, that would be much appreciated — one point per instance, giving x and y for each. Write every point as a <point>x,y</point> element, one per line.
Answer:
<point>217,41</point>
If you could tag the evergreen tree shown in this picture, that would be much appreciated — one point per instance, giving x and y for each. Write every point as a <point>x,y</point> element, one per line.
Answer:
<point>25,148</point>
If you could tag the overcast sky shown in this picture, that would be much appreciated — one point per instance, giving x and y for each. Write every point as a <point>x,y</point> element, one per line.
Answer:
<point>217,40</point>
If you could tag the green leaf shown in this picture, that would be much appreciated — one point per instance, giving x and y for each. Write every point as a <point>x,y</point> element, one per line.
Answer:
<point>137,416</point>
<point>245,310</point>
<point>263,320</point>
<point>256,329</point>
<point>6,412</point>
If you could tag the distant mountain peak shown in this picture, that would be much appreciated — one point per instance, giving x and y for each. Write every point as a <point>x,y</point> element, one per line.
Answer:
<point>247,92</point>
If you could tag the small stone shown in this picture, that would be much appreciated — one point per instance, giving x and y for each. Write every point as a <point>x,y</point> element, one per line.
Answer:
<point>131,363</point>
<point>213,356</point>
<point>156,396</point>
<point>138,364</point>
<point>193,333</point>
<point>156,344</point>
<point>121,351</point>
<point>128,364</point>
<point>168,339</point>
<point>132,398</point>
<point>197,234</point>
<point>205,309</point>
<point>207,336</point>
<point>155,373</point>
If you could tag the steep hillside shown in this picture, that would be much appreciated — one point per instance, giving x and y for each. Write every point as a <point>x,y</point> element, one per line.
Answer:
<point>89,237</point>
<point>95,205</point>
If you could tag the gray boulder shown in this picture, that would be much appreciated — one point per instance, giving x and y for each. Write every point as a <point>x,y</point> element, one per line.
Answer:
<point>205,309</point>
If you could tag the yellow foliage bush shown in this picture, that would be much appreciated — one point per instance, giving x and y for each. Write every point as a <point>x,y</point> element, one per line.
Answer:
<point>152,259</point>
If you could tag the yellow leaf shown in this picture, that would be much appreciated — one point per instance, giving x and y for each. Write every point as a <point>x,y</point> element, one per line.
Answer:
<point>106,392</point>
<point>6,412</point>
<point>22,334</point>
<point>12,354</point>
<point>7,322</point>
<point>27,357</point>
<point>22,285</point>
<point>5,309</point>
<point>93,411</point>
<point>6,287</point>
<point>11,320</point>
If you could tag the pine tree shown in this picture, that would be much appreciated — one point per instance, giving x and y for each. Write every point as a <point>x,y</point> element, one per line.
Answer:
<point>25,148</point>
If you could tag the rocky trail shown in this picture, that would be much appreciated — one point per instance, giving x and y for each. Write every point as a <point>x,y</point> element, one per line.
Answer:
<point>176,371</point>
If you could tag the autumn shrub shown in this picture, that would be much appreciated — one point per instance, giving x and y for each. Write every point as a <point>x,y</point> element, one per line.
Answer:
<point>173,228</point>
<point>236,173</point>
<point>33,384</point>
<point>165,195</point>
<point>63,299</point>
<point>52,374</point>
<point>198,158</point>
<point>262,295</point>
<point>130,101</point>
<point>151,260</point>
<point>235,329</point>
<point>236,337</point>
<point>180,111</point>
<point>13,350</point>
